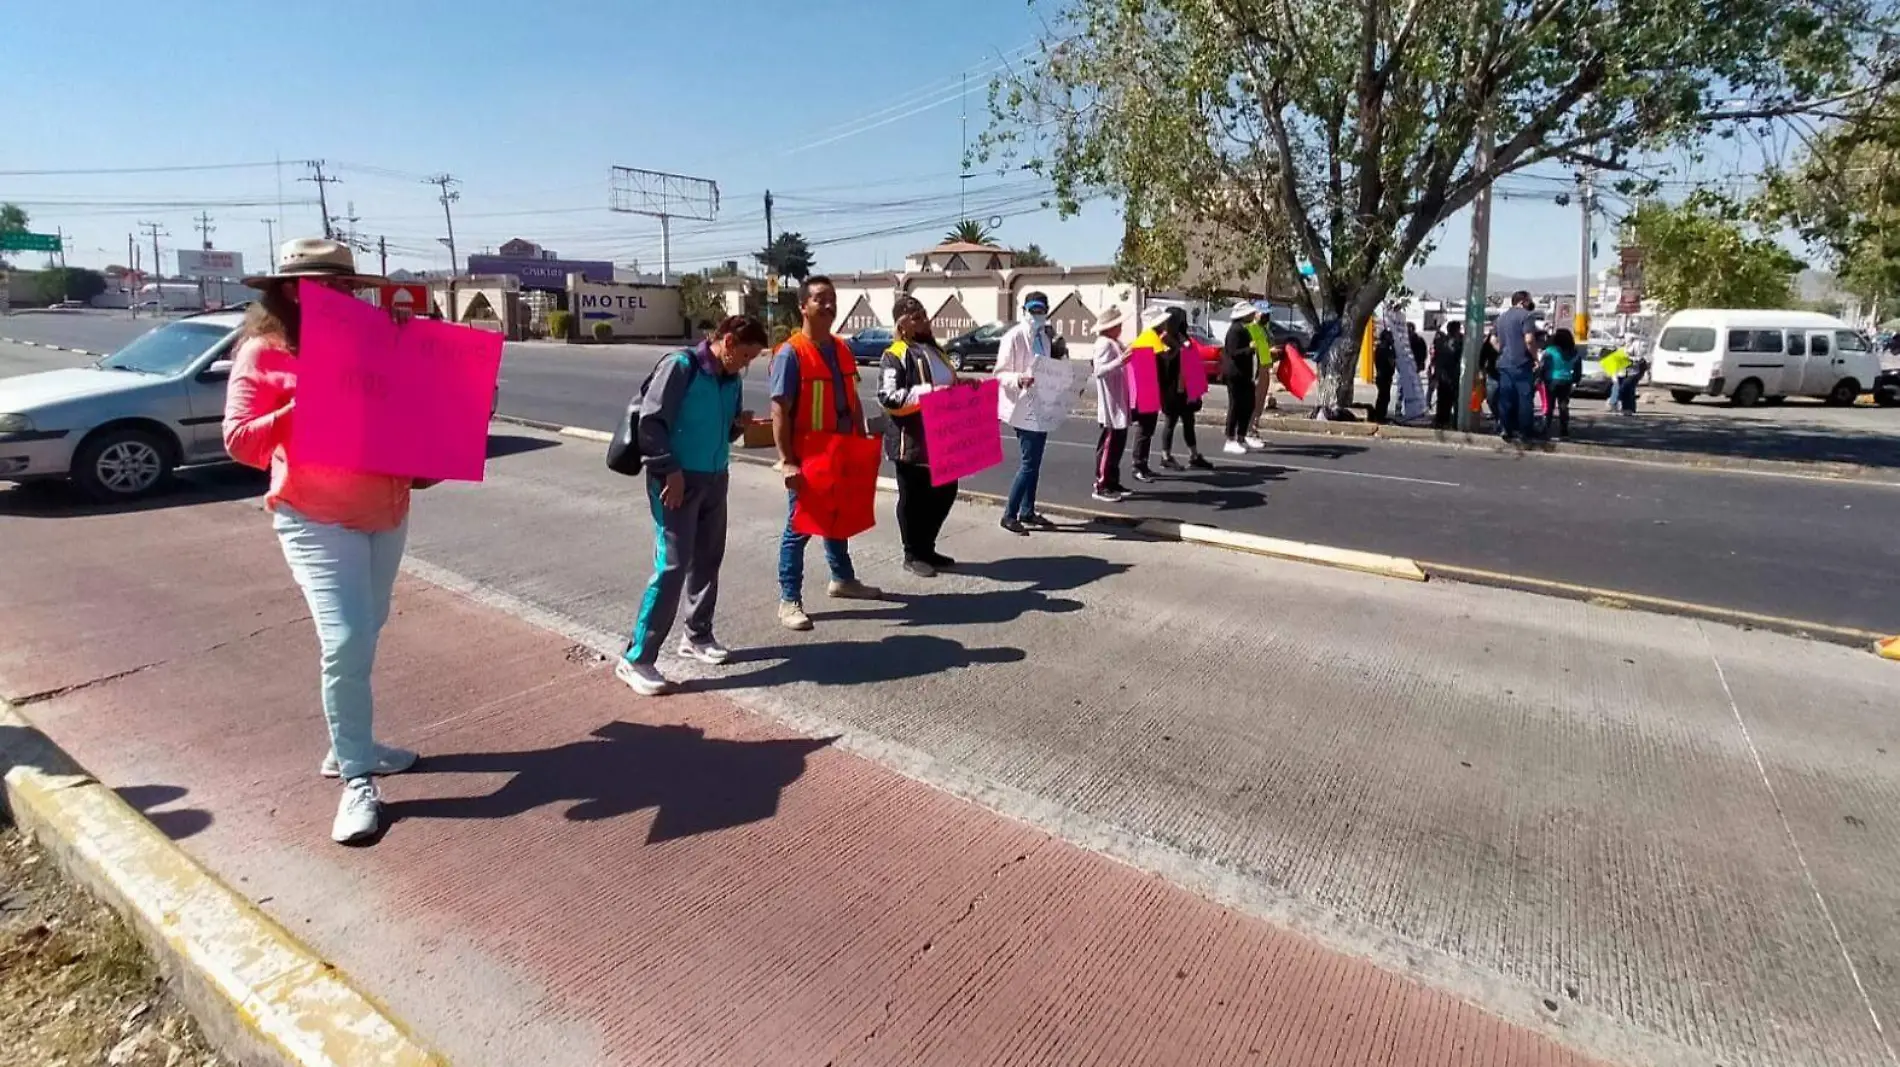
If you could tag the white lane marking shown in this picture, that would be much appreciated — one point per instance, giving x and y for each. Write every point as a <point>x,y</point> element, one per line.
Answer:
<point>1296,467</point>
<point>1794,843</point>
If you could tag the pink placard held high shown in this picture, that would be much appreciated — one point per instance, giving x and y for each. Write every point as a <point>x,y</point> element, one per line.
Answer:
<point>408,399</point>
<point>960,433</point>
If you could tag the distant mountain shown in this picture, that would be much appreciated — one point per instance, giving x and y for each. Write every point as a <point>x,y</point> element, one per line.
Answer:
<point>1448,283</point>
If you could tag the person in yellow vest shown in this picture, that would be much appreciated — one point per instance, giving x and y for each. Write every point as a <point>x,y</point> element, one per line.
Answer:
<point>814,390</point>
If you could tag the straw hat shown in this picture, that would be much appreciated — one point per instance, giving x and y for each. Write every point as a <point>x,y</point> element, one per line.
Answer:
<point>1243,310</point>
<point>315,257</point>
<point>1108,319</point>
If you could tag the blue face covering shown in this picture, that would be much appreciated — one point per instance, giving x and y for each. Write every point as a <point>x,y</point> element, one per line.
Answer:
<point>1039,319</point>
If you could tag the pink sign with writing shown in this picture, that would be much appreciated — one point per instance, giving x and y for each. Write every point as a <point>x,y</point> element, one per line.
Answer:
<point>960,433</point>
<point>1144,381</point>
<point>410,399</point>
<point>1194,362</point>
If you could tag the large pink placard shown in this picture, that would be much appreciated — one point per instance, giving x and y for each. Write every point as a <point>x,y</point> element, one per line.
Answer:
<point>409,399</point>
<point>960,433</point>
<point>1144,381</point>
<point>1194,360</point>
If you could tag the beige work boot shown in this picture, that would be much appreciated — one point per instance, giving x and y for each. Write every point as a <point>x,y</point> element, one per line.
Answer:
<point>853,590</point>
<point>791,615</point>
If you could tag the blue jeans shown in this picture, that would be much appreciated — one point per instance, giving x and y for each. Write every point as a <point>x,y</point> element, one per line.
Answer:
<point>1514,402</point>
<point>346,576</point>
<point>791,558</point>
<point>1022,491</point>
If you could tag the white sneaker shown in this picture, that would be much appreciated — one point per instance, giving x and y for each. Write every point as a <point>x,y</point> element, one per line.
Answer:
<point>1234,448</point>
<point>359,814</point>
<point>643,678</point>
<point>388,760</point>
<point>1255,442</point>
<point>707,651</point>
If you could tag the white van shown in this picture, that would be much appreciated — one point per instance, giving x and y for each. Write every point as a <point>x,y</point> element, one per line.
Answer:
<point>1749,356</point>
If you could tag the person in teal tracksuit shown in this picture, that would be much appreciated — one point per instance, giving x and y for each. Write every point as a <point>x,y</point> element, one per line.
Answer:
<point>689,416</point>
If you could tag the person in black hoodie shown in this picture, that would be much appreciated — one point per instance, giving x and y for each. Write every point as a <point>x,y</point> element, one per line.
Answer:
<point>912,366</point>
<point>1448,355</point>
<point>1176,408</point>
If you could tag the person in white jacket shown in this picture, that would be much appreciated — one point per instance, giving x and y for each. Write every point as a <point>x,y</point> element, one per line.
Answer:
<point>1111,406</point>
<point>1023,348</point>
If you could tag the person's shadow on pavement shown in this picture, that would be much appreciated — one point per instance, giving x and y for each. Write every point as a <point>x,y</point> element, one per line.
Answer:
<point>698,784</point>
<point>893,659</point>
<point>1041,576</point>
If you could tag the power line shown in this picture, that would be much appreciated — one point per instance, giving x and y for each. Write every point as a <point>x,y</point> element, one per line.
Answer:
<point>64,172</point>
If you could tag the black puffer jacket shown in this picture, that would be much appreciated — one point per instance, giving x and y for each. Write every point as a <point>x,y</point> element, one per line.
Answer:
<point>902,372</point>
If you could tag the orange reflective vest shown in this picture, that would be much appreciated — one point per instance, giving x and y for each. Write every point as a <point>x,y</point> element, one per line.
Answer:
<point>815,412</point>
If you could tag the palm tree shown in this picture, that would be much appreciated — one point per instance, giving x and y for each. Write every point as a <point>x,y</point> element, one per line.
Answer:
<point>972,231</point>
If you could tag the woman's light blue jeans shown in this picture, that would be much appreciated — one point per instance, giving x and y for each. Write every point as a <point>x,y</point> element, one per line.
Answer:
<point>347,577</point>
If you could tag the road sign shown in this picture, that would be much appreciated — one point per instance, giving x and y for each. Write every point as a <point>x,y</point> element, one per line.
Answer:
<point>22,241</point>
<point>1630,281</point>
<point>403,297</point>
<point>210,263</point>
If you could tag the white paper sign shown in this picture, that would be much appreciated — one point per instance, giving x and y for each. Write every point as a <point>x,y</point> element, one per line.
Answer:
<point>1045,404</point>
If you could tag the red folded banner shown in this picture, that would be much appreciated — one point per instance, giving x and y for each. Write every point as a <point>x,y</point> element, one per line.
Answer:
<point>839,497</point>
<point>1295,372</point>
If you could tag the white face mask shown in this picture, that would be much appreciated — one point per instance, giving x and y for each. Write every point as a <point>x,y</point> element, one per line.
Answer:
<point>1038,319</point>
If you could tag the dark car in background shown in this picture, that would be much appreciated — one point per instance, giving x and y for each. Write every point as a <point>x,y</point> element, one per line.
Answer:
<point>976,349</point>
<point>868,345</point>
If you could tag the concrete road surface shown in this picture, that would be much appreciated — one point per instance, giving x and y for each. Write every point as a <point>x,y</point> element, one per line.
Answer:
<point>1665,841</point>
<point>1800,549</point>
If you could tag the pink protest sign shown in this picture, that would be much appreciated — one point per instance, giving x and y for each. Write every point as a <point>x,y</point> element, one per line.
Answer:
<point>960,433</point>
<point>409,399</point>
<point>1144,381</point>
<point>1194,361</point>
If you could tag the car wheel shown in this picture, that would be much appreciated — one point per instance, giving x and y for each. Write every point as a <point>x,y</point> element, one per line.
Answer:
<point>1682,396</point>
<point>1746,395</point>
<point>955,360</point>
<point>1845,392</point>
<point>121,464</point>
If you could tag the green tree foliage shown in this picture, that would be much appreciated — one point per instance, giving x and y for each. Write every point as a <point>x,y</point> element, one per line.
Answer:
<point>1700,253</point>
<point>972,231</point>
<point>788,256</point>
<point>1844,199</point>
<point>704,305</point>
<point>1255,133</point>
<point>69,283</point>
<point>12,220</point>
<point>1032,255</point>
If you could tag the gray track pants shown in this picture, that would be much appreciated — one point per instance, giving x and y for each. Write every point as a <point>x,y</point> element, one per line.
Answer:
<point>689,544</point>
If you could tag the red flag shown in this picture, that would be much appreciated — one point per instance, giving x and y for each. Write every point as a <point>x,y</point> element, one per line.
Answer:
<point>839,497</point>
<point>1295,372</point>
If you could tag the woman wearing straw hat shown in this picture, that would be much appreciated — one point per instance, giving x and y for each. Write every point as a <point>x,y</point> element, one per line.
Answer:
<point>342,531</point>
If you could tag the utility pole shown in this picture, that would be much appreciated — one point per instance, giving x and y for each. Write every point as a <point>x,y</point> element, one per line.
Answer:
<point>963,166</point>
<point>771,274</point>
<point>446,182</point>
<point>1586,197</point>
<point>158,274</point>
<point>1477,279</point>
<point>60,234</point>
<point>270,243</point>
<point>349,235</point>
<point>131,272</point>
<point>323,201</point>
<point>204,234</point>
<point>382,255</point>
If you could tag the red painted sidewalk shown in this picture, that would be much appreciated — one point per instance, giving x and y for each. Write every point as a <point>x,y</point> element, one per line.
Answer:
<point>576,875</point>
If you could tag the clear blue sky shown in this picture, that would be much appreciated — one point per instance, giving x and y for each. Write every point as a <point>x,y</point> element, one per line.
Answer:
<point>847,110</point>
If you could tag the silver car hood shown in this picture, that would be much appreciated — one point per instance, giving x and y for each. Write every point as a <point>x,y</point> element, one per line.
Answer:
<point>30,392</point>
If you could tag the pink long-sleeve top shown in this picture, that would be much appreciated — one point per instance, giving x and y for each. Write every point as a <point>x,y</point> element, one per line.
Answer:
<point>258,407</point>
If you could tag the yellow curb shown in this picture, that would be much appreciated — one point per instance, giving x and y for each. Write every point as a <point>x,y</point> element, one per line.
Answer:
<point>262,995</point>
<point>1298,551</point>
<point>1615,598</point>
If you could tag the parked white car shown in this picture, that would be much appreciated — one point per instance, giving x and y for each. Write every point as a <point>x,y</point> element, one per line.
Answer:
<point>120,427</point>
<point>1752,355</point>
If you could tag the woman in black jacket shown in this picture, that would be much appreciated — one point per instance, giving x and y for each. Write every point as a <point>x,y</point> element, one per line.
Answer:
<point>911,367</point>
